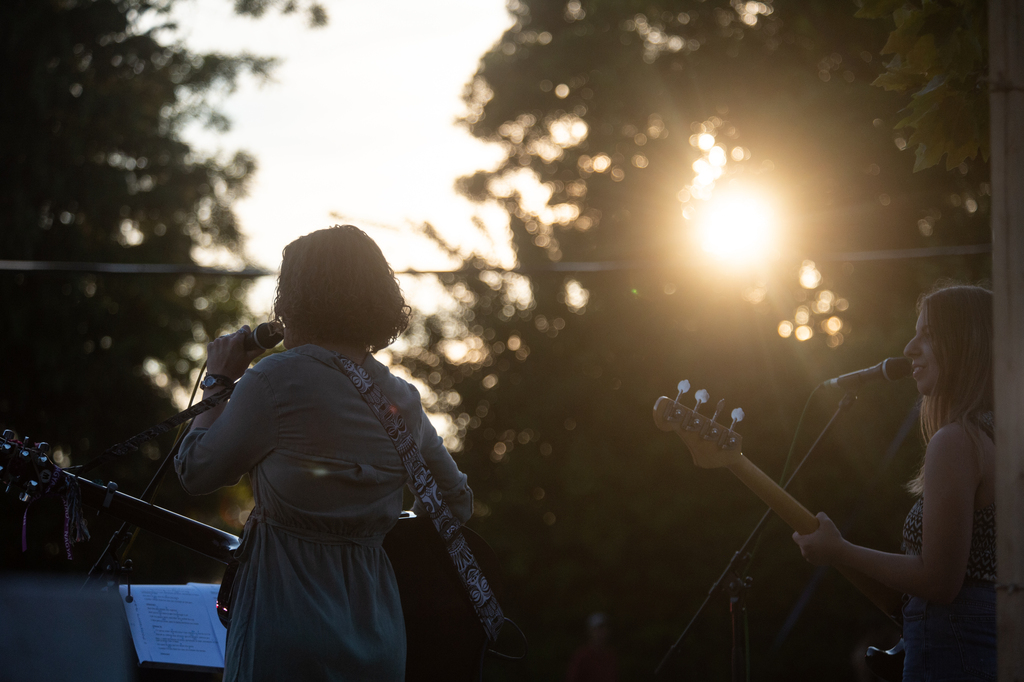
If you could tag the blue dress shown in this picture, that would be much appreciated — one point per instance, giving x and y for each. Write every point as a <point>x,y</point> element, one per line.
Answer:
<point>954,642</point>
<point>315,597</point>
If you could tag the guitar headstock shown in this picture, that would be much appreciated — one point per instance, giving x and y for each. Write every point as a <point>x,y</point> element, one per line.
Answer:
<point>26,468</point>
<point>711,444</point>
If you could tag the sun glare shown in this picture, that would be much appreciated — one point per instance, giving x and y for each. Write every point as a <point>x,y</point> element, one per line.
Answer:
<point>737,226</point>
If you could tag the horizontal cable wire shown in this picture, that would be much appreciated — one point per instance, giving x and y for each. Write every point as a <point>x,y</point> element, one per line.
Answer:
<point>577,266</point>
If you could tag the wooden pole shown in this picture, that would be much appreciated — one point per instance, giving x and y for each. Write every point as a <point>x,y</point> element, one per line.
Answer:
<point>1006,73</point>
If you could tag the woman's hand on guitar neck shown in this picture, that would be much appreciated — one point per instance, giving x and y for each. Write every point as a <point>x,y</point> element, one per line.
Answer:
<point>823,546</point>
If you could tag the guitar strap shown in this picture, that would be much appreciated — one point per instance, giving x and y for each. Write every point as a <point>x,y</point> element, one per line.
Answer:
<point>448,527</point>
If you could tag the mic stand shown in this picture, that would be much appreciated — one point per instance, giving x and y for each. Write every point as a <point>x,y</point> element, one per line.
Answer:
<point>732,578</point>
<point>113,564</point>
<point>109,555</point>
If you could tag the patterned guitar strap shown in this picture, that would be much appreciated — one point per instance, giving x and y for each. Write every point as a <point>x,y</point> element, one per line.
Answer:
<point>448,527</point>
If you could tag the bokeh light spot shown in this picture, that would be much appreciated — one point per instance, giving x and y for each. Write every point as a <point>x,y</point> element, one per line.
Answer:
<point>717,156</point>
<point>809,276</point>
<point>834,341</point>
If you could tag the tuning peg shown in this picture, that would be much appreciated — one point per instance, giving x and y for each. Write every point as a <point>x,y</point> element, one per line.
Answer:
<point>737,416</point>
<point>702,397</point>
<point>30,490</point>
<point>683,387</point>
<point>718,409</point>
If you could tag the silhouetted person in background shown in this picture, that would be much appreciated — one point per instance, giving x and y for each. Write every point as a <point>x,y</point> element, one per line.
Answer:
<point>594,661</point>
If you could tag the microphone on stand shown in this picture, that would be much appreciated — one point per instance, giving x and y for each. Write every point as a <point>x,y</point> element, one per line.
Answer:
<point>265,336</point>
<point>890,369</point>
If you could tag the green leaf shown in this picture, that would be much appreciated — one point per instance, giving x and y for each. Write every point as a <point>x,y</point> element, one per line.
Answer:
<point>903,39</point>
<point>946,123</point>
<point>958,123</point>
<point>897,81</point>
<point>923,57</point>
<point>924,101</point>
<point>927,156</point>
<point>901,15</point>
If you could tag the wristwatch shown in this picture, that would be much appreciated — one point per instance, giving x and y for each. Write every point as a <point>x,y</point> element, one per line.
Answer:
<point>211,380</point>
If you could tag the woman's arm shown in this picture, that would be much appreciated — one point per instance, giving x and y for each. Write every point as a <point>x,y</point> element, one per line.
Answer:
<point>237,441</point>
<point>230,439</point>
<point>951,477</point>
<point>226,356</point>
<point>452,483</point>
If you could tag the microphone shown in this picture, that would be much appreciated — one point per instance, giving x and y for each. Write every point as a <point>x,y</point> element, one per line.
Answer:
<point>265,336</point>
<point>890,369</point>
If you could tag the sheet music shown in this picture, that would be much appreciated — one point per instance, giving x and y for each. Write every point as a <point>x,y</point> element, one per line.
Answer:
<point>176,625</point>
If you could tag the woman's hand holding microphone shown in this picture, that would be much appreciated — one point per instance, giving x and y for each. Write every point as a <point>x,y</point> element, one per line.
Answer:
<point>227,359</point>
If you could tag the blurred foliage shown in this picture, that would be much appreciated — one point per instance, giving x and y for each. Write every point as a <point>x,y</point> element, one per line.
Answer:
<point>940,55</point>
<point>315,12</point>
<point>95,170</point>
<point>549,375</point>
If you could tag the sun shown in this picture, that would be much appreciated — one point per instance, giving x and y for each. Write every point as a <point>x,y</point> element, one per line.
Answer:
<point>737,225</point>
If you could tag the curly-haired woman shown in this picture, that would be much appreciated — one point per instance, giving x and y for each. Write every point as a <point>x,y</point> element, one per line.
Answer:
<point>948,569</point>
<point>315,596</point>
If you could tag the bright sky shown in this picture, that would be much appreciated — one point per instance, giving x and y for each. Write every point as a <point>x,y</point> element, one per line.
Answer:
<point>358,121</point>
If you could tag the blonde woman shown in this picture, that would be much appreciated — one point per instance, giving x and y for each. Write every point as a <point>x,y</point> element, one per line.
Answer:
<point>948,568</point>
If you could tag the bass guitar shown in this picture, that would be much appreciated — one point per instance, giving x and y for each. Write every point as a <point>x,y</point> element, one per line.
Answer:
<point>443,634</point>
<point>713,445</point>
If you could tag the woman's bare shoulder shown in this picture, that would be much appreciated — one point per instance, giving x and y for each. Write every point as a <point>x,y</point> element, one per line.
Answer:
<point>952,434</point>
<point>951,448</point>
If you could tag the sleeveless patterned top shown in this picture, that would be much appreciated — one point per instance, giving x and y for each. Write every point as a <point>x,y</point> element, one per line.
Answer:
<point>981,562</point>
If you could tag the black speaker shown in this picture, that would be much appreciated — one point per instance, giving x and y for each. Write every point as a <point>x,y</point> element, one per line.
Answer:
<point>51,630</point>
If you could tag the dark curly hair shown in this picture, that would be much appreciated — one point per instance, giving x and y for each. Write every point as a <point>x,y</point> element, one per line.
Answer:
<point>336,286</point>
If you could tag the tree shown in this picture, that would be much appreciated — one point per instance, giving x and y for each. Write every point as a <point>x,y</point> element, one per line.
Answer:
<point>549,375</point>
<point>941,52</point>
<point>95,170</point>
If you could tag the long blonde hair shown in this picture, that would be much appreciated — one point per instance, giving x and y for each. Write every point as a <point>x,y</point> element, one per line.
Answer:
<point>960,323</point>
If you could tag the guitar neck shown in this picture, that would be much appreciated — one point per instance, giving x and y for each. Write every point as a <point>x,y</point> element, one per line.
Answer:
<point>782,503</point>
<point>182,530</point>
<point>804,522</point>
